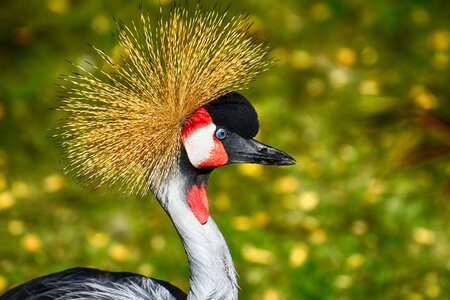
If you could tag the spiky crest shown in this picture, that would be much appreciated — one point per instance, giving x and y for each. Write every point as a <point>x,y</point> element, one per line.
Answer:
<point>124,119</point>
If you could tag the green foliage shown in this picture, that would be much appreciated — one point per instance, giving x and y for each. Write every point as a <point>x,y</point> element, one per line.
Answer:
<point>359,96</point>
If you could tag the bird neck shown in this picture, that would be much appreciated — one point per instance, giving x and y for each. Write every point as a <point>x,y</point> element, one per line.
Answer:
<point>212,270</point>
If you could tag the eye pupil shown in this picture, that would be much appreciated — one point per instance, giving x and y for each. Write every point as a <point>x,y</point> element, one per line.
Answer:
<point>221,133</point>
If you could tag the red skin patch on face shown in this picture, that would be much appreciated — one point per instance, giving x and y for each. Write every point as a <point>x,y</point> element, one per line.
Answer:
<point>198,202</point>
<point>217,156</point>
<point>199,119</point>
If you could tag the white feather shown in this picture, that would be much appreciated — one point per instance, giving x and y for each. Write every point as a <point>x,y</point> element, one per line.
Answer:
<point>213,275</point>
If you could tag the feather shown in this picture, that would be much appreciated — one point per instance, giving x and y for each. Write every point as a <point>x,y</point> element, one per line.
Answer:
<point>123,119</point>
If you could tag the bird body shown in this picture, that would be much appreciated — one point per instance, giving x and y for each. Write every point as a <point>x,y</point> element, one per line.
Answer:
<point>87,283</point>
<point>163,120</point>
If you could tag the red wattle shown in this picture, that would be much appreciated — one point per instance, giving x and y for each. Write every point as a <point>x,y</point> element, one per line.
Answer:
<point>198,202</point>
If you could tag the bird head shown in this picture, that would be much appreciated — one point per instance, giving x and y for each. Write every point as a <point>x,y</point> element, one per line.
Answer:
<point>222,132</point>
<point>132,121</point>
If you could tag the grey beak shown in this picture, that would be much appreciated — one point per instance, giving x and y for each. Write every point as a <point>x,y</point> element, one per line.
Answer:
<point>241,150</point>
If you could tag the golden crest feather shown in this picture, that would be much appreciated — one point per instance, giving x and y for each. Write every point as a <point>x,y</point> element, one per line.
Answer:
<point>124,125</point>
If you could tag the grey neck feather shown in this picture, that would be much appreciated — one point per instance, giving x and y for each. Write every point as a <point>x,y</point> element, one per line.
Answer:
<point>212,270</point>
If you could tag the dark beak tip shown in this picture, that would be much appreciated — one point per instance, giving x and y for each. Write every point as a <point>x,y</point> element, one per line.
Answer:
<point>292,161</point>
<point>288,161</point>
<point>278,158</point>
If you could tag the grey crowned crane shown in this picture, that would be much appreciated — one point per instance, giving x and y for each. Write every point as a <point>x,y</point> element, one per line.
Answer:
<point>162,119</point>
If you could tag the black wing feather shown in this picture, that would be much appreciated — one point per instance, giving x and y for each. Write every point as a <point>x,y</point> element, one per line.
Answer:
<point>60,285</point>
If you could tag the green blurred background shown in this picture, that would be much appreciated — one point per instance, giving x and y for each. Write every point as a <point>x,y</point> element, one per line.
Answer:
<point>359,96</point>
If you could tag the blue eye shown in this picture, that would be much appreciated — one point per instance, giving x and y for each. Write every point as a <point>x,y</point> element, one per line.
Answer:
<point>221,133</point>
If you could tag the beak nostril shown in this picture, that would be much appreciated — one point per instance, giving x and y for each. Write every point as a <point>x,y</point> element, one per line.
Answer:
<point>263,150</point>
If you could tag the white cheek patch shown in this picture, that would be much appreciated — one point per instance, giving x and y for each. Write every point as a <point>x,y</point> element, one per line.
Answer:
<point>200,144</point>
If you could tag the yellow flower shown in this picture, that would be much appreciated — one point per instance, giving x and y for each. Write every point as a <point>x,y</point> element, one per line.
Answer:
<point>98,239</point>
<point>301,59</point>
<point>308,200</point>
<point>100,23</point>
<point>53,183</point>
<point>343,281</point>
<point>299,255</point>
<point>287,184</point>
<point>158,242</point>
<point>3,283</point>
<point>440,40</point>
<point>119,252</point>
<point>242,223</point>
<point>20,189</point>
<point>31,242</point>
<point>423,97</point>
<point>16,227</point>
<point>7,200</point>
<point>424,236</point>
<point>2,181</point>
<point>251,170</point>
<point>58,6</point>
<point>318,236</point>
<point>271,294</point>
<point>369,88</point>
<point>355,261</point>
<point>346,57</point>
<point>257,255</point>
